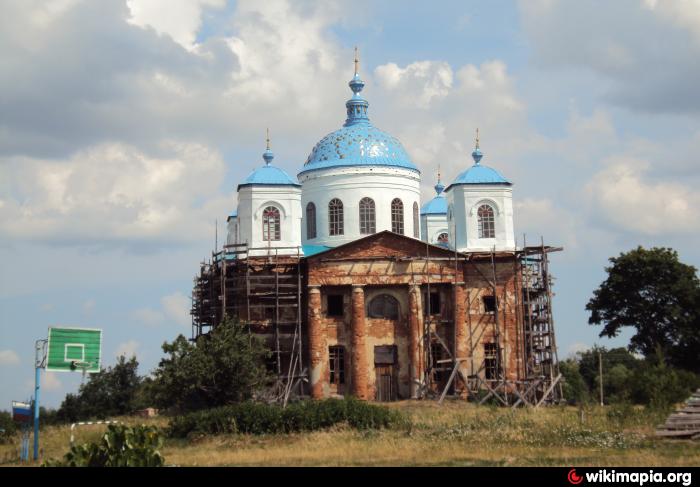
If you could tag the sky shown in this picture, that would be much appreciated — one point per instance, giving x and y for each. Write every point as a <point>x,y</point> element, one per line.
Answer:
<point>125,126</point>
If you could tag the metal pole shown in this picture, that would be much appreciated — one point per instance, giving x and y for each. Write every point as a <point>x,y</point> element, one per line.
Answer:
<point>39,357</point>
<point>600,375</point>
<point>37,379</point>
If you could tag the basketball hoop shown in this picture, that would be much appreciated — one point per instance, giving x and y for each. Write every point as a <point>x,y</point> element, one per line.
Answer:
<point>83,366</point>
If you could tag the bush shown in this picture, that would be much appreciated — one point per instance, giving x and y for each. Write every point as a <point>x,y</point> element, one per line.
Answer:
<point>258,419</point>
<point>121,446</point>
<point>7,427</point>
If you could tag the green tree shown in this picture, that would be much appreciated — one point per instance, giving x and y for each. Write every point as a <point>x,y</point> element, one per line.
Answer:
<point>574,387</point>
<point>225,366</point>
<point>110,392</point>
<point>653,292</point>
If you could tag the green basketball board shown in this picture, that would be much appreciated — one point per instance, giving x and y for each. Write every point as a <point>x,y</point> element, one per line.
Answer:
<point>74,349</point>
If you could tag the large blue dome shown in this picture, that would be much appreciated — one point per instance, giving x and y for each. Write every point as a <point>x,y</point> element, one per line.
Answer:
<point>358,142</point>
<point>358,145</point>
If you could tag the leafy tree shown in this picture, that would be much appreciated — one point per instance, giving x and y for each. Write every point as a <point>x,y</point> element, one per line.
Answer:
<point>225,366</point>
<point>110,392</point>
<point>616,358</point>
<point>651,291</point>
<point>574,387</point>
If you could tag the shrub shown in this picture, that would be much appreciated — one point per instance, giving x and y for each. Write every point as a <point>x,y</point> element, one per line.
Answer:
<point>258,419</point>
<point>120,446</point>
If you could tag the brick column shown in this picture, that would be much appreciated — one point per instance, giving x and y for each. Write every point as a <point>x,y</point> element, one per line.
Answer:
<point>360,365</point>
<point>415,349</point>
<point>318,348</point>
<point>461,335</point>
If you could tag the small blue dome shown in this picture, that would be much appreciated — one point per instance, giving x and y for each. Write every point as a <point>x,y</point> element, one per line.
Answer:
<point>436,206</point>
<point>268,175</point>
<point>358,142</point>
<point>478,174</point>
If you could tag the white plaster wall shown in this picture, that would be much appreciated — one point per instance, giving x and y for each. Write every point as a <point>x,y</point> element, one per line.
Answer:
<point>350,185</point>
<point>465,201</point>
<point>252,200</point>
<point>232,230</point>
<point>432,226</point>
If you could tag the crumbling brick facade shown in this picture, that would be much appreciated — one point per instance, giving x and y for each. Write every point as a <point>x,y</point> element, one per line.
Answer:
<point>389,317</point>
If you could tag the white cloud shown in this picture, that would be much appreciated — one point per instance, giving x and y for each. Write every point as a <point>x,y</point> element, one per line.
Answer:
<point>575,348</point>
<point>180,19</point>
<point>622,197</point>
<point>128,349</point>
<point>113,193</point>
<point>649,65</point>
<point>51,382</point>
<point>418,83</point>
<point>177,308</point>
<point>8,357</point>
<point>174,308</point>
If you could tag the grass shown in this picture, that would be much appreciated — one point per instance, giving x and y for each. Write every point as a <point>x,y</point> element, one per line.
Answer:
<point>454,433</point>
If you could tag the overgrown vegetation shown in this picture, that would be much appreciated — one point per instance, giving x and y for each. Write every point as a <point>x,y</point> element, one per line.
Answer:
<point>626,379</point>
<point>111,392</point>
<point>258,419</point>
<point>223,367</point>
<point>120,446</point>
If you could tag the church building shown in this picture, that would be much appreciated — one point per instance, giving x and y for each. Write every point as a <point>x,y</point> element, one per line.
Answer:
<point>361,290</point>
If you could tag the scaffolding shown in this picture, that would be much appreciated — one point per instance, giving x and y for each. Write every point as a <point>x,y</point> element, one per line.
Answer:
<point>536,379</point>
<point>262,289</point>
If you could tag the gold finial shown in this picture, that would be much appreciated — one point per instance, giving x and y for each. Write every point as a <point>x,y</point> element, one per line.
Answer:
<point>268,138</point>
<point>357,61</point>
<point>477,137</point>
<point>438,173</point>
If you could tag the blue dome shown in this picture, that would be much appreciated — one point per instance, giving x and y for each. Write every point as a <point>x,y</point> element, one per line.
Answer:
<point>268,175</point>
<point>436,206</point>
<point>358,142</point>
<point>478,174</point>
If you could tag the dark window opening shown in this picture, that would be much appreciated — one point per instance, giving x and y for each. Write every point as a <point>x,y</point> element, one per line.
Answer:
<point>337,364</point>
<point>384,306</point>
<point>489,304</point>
<point>310,221</point>
<point>441,370</point>
<point>491,361</point>
<point>434,308</point>
<point>335,305</point>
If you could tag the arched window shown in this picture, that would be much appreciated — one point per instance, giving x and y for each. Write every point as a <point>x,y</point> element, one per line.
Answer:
<point>416,227</point>
<point>367,217</point>
<point>443,238</point>
<point>397,216</point>
<point>310,221</point>
<point>384,306</point>
<point>335,217</point>
<point>487,227</point>
<point>271,224</point>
